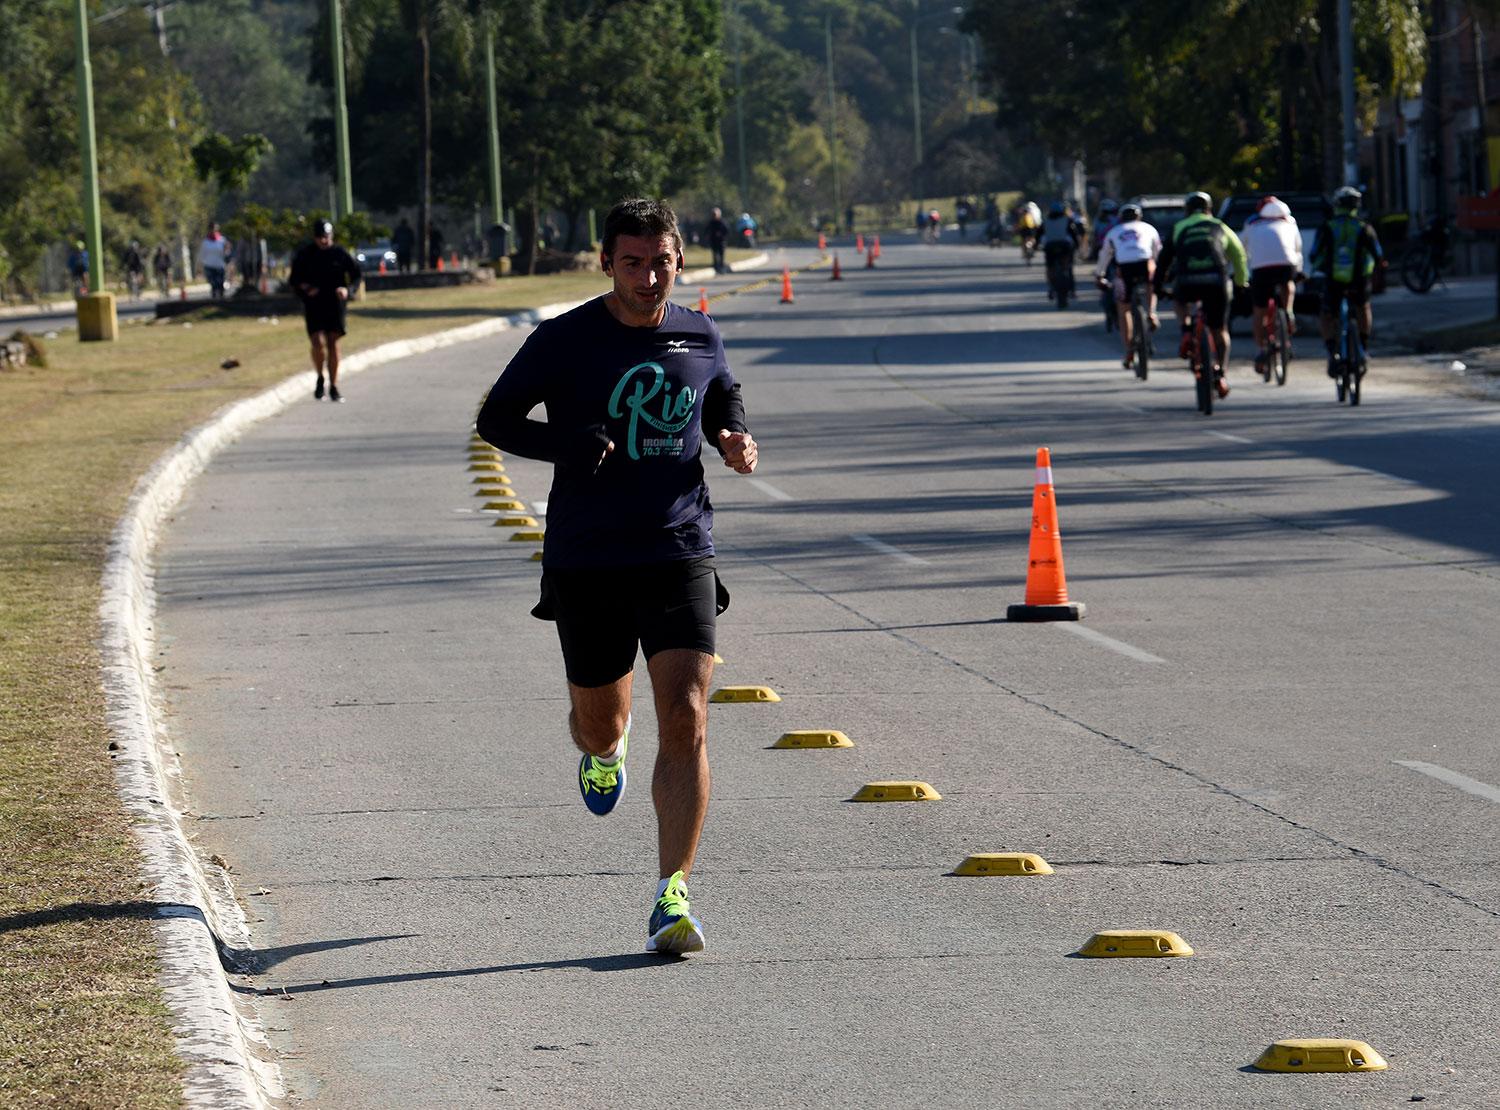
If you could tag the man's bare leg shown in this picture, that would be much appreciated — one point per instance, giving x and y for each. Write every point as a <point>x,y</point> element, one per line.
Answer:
<point>680,783</point>
<point>597,719</point>
<point>1127,325</point>
<point>331,341</point>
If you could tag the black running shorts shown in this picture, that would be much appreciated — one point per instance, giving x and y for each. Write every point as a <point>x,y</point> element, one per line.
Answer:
<point>1130,274</point>
<point>1266,281</point>
<point>1214,298</point>
<point>604,614</point>
<point>324,315</point>
<point>1357,290</point>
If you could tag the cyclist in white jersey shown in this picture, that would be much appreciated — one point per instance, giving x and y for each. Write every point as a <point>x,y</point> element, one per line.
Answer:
<point>1274,244</point>
<point>1132,245</point>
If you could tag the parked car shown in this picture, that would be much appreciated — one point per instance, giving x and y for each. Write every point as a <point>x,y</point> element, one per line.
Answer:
<point>1309,209</point>
<point>1161,211</point>
<point>370,258</point>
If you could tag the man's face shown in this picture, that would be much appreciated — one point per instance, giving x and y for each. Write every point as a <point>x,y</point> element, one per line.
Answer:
<point>644,269</point>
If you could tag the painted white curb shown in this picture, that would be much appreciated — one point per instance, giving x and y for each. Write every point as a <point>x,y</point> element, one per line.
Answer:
<point>199,924</point>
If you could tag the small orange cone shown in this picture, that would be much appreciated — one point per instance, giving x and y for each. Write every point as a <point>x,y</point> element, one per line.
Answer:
<point>1046,585</point>
<point>440,262</point>
<point>703,301</point>
<point>822,241</point>
<point>382,265</point>
<point>870,258</point>
<point>838,274</point>
<point>859,243</point>
<point>453,260</point>
<point>786,286</point>
<point>875,246</point>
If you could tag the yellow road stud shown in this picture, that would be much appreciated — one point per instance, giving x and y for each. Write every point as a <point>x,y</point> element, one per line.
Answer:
<point>536,557</point>
<point>486,466</point>
<point>744,693</point>
<point>506,505</point>
<point>516,522</point>
<point>1320,1054</point>
<point>495,491</point>
<point>718,658</point>
<point>896,790</point>
<point>1004,863</point>
<point>1135,944</point>
<point>489,479</point>
<point>528,537</point>
<point>814,738</point>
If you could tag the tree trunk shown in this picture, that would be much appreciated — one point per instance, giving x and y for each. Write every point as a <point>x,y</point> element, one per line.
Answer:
<point>424,108</point>
<point>533,208</point>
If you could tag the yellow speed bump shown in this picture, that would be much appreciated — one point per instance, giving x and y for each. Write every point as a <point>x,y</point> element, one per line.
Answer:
<point>896,790</point>
<point>506,505</point>
<point>489,479</point>
<point>718,658</point>
<point>744,693</point>
<point>1135,944</point>
<point>1320,1054</point>
<point>814,738</point>
<point>495,491</point>
<point>536,557</point>
<point>486,466</point>
<point>516,522</point>
<point>528,537</point>
<point>1004,863</point>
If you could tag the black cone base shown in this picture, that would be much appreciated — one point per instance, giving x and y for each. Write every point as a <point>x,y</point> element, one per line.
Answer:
<point>1070,611</point>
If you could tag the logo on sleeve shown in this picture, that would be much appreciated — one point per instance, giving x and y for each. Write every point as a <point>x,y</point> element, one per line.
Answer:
<point>645,391</point>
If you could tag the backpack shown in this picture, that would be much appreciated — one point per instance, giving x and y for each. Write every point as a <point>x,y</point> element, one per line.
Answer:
<point>1344,249</point>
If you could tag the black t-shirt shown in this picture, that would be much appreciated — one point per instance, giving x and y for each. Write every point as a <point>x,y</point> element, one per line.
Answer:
<point>654,392</point>
<point>323,269</point>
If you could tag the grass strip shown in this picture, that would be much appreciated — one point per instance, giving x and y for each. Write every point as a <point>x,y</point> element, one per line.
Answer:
<point>82,1021</point>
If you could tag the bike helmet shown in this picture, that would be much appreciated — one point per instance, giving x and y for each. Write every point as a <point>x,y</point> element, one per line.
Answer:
<point>1348,198</point>
<point>1275,209</point>
<point>1130,211</point>
<point>1197,202</point>
<point>1107,205</point>
<point>1057,209</point>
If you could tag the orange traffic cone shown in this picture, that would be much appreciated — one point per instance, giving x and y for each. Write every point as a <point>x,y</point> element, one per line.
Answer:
<point>859,243</point>
<point>453,260</point>
<point>786,286</point>
<point>875,246</point>
<point>382,265</point>
<point>870,258</point>
<point>440,262</point>
<point>822,241</point>
<point>703,301</point>
<point>838,275</point>
<point>1046,585</point>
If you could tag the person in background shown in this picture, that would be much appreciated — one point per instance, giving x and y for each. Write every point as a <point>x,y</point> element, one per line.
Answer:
<point>135,269</point>
<point>718,235</point>
<point>404,240</point>
<point>161,267</point>
<point>213,259</point>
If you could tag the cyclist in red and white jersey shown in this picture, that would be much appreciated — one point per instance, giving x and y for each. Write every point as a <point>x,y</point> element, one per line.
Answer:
<point>1274,244</point>
<point>1133,246</point>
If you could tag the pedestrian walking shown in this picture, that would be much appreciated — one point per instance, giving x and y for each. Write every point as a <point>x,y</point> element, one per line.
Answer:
<point>325,276</point>
<point>404,239</point>
<point>633,386</point>
<point>135,269</point>
<point>213,258</point>
<point>434,246</point>
<point>161,266</point>
<point>78,268</point>
<point>718,235</point>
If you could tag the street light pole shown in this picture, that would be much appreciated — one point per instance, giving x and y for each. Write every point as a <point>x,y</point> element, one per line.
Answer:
<point>833,134</point>
<point>916,105</point>
<point>96,309</point>
<point>344,197</point>
<point>739,110</point>
<point>498,215</point>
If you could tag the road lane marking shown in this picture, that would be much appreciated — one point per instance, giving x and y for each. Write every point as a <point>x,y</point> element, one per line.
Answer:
<point>1131,408</point>
<point>1128,650</point>
<point>1453,778</point>
<point>887,549</point>
<point>1230,438</point>
<point>771,491</point>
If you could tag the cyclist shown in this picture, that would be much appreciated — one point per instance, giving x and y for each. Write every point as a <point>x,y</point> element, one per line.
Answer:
<point>135,269</point>
<point>1346,252</point>
<point>1133,247</point>
<point>1204,257</point>
<point>1107,217</point>
<point>1060,235</point>
<point>1274,244</point>
<point>1028,220</point>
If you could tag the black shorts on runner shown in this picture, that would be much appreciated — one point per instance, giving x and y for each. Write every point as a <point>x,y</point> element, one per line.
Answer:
<point>1132,274</point>
<point>1266,281</point>
<point>1214,298</point>
<point>604,614</point>
<point>1358,291</point>
<point>324,316</point>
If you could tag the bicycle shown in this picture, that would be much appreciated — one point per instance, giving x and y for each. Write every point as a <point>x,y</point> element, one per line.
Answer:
<point>1425,258</point>
<point>1140,337</point>
<point>1350,361</point>
<point>134,280</point>
<point>1060,277</point>
<point>1201,359</point>
<point>1277,352</point>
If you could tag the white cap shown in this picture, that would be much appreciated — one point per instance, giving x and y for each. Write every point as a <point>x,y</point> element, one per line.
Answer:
<point>1275,210</point>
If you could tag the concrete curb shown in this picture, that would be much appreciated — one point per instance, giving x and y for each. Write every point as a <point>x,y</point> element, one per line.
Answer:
<point>199,924</point>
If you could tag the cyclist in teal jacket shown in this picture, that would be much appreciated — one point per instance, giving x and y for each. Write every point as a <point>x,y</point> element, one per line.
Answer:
<point>1346,252</point>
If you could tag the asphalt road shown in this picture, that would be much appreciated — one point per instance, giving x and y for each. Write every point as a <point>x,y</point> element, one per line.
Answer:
<point>1289,653</point>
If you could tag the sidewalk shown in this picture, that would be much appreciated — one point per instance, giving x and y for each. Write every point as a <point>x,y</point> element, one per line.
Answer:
<point>64,306</point>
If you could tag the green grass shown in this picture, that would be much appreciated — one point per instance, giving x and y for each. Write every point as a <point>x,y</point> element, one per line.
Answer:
<point>82,1022</point>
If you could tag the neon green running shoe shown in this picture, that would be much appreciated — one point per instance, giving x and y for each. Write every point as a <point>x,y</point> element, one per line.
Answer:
<point>603,783</point>
<point>673,930</point>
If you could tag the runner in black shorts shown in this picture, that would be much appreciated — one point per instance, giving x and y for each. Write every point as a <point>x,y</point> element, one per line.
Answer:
<point>325,276</point>
<point>633,385</point>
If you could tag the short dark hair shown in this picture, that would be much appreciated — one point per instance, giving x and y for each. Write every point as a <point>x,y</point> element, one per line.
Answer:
<point>640,216</point>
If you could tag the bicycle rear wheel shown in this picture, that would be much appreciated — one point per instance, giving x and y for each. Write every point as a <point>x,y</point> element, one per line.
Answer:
<point>1141,340</point>
<point>1417,270</point>
<point>1353,363</point>
<point>1203,374</point>
<point>1281,353</point>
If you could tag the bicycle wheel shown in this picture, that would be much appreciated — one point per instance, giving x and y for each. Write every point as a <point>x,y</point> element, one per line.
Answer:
<point>1417,270</point>
<point>1354,373</point>
<point>1140,340</point>
<point>1281,351</point>
<point>1203,372</point>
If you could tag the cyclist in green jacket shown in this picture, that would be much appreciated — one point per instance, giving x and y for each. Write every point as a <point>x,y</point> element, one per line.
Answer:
<point>1346,252</point>
<point>1205,258</point>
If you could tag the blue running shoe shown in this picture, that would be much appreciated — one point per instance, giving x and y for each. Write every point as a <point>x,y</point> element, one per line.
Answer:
<point>674,931</point>
<point>603,783</point>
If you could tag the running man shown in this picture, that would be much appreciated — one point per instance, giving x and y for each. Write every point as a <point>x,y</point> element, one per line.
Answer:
<point>633,386</point>
<point>325,277</point>
<point>1133,246</point>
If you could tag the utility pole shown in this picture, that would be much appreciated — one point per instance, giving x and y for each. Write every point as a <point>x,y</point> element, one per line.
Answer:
<point>496,198</point>
<point>1346,83</point>
<point>344,197</point>
<point>916,107</point>
<point>833,118</point>
<point>739,110</point>
<point>96,308</point>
